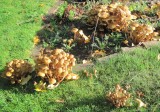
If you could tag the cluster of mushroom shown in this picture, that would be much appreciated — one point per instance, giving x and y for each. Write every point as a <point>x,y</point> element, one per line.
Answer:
<point>17,70</point>
<point>119,97</point>
<point>80,37</point>
<point>114,16</point>
<point>55,65</point>
<point>140,33</point>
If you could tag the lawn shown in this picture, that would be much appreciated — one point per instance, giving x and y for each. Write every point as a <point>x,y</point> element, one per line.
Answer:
<point>21,20</point>
<point>141,71</point>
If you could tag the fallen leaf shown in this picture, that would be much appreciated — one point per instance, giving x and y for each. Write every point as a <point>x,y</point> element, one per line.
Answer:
<point>60,101</point>
<point>158,57</point>
<point>40,87</point>
<point>51,86</point>
<point>86,73</point>
<point>74,76</point>
<point>140,103</point>
<point>36,40</point>
<point>95,73</point>
<point>98,53</point>
<point>140,94</point>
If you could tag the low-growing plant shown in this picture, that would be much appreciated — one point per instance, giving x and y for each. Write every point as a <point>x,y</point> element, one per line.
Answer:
<point>71,15</point>
<point>115,39</point>
<point>100,44</point>
<point>138,6</point>
<point>68,47</point>
<point>55,41</point>
<point>61,9</point>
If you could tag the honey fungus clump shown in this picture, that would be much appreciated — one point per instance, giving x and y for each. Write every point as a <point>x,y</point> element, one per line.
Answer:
<point>17,70</point>
<point>119,97</point>
<point>141,33</point>
<point>113,16</point>
<point>55,65</point>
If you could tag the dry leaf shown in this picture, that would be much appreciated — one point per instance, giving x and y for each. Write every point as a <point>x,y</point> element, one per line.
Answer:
<point>95,73</point>
<point>140,94</point>
<point>51,86</point>
<point>40,87</point>
<point>86,73</point>
<point>86,61</point>
<point>140,103</point>
<point>98,53</point>
<point>60,101</point>
<point>74,76</point>
<point>158,57</point>
<point>36,40</point>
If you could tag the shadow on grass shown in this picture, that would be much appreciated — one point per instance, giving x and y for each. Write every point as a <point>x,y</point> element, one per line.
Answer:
<point>98,104</point>
<point>55,29</point>
<point>5,84</point>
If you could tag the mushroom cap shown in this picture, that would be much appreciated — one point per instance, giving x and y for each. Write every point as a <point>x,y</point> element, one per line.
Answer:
<point>103,15</point>
<point>8,74</point>
<point>52,81</point>
<point>74,30</point>
<point>41,74</point>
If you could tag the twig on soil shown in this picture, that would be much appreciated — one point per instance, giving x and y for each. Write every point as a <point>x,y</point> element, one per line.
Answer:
<point>94,33</point>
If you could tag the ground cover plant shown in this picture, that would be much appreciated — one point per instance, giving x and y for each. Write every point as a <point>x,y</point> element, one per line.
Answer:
<point>83,32</point>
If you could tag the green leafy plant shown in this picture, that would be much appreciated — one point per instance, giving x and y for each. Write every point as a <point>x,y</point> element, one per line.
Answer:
<point>67,47</point>
<point>138,6</point>
<point>100,44</point>
<point>71,15</point>
<point>55,41</point>
<point>61,9</point>
<point>115,40</point>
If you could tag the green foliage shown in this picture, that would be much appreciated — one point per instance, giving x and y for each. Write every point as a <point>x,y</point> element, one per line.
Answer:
<point>138,6</point>
<point>61,9</point>
<point>115,40</point>
<point>55,41</point>
<point>100,44</point>
<point>67,47</point>
<point>71,15</point>
<point>157,24</point>
<point>144,21</point>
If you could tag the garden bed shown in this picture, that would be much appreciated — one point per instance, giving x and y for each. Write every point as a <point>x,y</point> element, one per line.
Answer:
<point>59,23</point>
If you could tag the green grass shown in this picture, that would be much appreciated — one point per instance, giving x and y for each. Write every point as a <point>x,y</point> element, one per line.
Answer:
<point>139,68</point>
<point>19,21</point>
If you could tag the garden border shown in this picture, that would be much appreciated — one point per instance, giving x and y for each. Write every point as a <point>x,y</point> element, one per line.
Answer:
<point>146,45</point>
